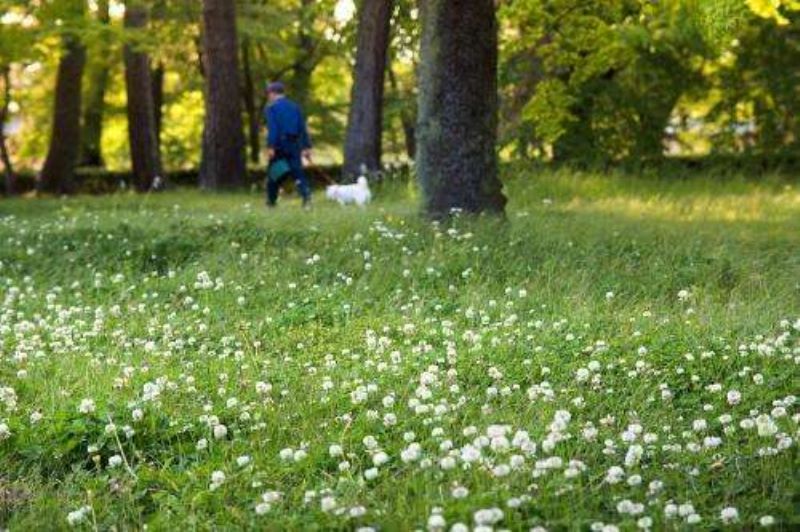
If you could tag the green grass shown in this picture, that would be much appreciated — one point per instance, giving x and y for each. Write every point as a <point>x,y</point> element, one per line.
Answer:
<point>339,309</point>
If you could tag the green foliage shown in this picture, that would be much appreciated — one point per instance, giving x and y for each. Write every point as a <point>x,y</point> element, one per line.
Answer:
<point>612,72</point>
<point>580,81</point>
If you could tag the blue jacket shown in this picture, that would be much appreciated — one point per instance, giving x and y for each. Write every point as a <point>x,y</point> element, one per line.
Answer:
<point>287,126</point>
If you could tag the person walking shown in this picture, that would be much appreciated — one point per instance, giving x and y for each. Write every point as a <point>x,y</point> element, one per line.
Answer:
<point>288,144</point>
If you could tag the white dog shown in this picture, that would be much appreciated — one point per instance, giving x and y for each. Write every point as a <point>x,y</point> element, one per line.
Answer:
<point>357,193</point>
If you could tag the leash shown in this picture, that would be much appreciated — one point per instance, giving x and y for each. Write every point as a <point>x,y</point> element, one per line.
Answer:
<point>325,176</point>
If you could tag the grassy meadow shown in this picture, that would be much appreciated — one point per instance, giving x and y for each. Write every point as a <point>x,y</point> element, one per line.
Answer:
<point>619,354</point>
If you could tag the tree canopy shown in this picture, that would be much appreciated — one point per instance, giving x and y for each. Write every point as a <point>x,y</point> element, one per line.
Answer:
<point>605,81</point>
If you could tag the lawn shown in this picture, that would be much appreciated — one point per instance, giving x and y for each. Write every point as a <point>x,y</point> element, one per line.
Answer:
<point>619,353</point>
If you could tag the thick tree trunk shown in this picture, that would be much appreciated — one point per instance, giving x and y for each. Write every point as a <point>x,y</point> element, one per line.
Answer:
<point>457,128</point>
<point>223,163</point>
<point>157,84</point>
<point>57,173</point>
<point>10,187</point>
<point>98,74</point>
<point>362,149</point>
<point>251,109</point>
<point>303,69</point>
<point>142,137</point>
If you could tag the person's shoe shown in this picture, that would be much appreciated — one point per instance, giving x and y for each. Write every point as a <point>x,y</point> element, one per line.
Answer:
<point>307,204</point>
<point>271,205</point>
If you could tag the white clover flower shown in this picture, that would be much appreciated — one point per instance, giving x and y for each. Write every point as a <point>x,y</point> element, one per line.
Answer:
<point>729,515</point>
<point>488,517</point>
<point>634,455</point>
<point>299,455</point>
<point>766,520</point>
<point>357,511</point>
<point>335,450</point>
<point>327,503</point>
<point>5,432</point>
<point>115,461</point>
<point>766,425</point>
<point>436,522</point>
<point>501,470</point>
<point>263,508</point>
<point>87,406</point>
<point>220,431</point>
<point>286,454</point>
<point>634,480</point>
<point>459,492</point>
<point>448,462</point>
<point>470,454</point>
<point>734,397</point>
<point>78,516</point>
<point>243,460</point>
<point>614,475</point>
<point>644,523</point>
<point>411,453</point>
<point>670,510</point>
<point>627,507</point>
<point>371,473</point>
<point>693,519</point>
<point>380,458</point>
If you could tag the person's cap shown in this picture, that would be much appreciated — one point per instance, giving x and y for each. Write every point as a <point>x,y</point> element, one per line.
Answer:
<point>276,87</point>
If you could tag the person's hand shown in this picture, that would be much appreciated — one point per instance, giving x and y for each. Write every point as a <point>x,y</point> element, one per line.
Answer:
<point>307,155</point>
<point>270,154</point>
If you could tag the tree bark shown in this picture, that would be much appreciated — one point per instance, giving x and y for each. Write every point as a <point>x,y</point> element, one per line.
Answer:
<point>145,157</point>
<point>251,109</point>
<point>406,119</point>
<point>458,105</point>
<point>362,149</point>
<point>303,69</point>
<point>157,84</point>
<point>91,136</point>
<point>223,163</point>
<point>58,170</point>
<point>8,167</point>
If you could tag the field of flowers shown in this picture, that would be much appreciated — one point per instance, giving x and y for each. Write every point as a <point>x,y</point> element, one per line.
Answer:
<point>620,354</point>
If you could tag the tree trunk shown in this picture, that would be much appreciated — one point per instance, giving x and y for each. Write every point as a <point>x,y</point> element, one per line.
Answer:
<point>457,128</point>
<point>362,149</point>
<point>145,158</point>
<point>303,69</point>
<point>59,166</point>
<point>406,119</point>
<point>251,109</point>
<point>223,163</point>
<point>91,136</point>
<point>8,168</point>
<point>157,84</point>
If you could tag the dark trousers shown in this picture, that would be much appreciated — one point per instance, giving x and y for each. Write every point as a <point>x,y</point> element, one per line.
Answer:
<point>296,173</point>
